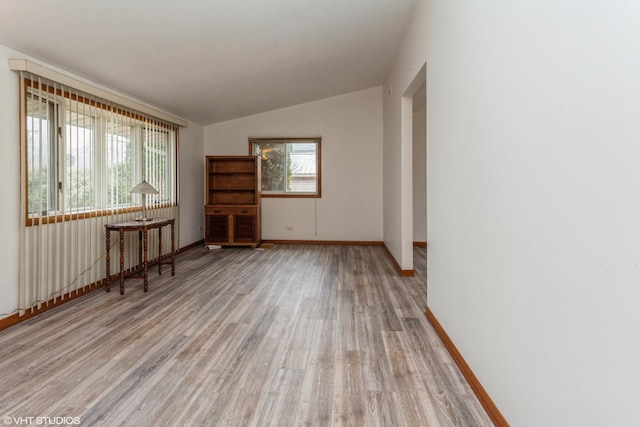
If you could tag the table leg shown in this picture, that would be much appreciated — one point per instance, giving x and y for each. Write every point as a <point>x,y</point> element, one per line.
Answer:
<point>145,261</point>
<point>107,239</point>
<point>159,250</point>
<point>121,261</point>
<point>173,248</point>
<point>139,248</point>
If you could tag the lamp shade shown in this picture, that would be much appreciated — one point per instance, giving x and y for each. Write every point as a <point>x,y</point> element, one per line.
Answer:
<point>144,188</point>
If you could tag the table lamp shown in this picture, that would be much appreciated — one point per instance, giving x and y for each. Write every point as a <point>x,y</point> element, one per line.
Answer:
<point>144,188</point>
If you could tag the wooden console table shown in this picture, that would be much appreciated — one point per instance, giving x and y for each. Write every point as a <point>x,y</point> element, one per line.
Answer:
<point>142,227</point>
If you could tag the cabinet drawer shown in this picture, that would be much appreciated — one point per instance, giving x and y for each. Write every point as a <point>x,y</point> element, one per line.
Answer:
<point>230,210</point>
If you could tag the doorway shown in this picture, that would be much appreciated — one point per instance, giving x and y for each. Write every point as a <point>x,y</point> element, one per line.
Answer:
<point>419,157</point>
<point>414,143</point>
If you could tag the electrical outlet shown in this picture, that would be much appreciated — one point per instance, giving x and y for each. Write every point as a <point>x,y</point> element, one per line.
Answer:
<point>289,228</point>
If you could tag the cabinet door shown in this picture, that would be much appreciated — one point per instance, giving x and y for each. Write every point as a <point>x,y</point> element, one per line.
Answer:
<point>244,228</point>
<point>217,228</point>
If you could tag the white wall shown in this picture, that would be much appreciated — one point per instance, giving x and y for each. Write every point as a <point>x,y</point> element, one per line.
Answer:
<point>191,172</point>
<point>350,208</point>
<point>10,188</point>
<point>191,167</point>
<point>534,200</point>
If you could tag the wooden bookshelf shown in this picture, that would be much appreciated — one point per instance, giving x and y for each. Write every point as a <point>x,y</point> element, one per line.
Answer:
<point>232,209</point>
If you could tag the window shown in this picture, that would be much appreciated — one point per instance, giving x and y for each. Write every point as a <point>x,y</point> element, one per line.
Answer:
<point>289,167</point>
<point>84,155</point>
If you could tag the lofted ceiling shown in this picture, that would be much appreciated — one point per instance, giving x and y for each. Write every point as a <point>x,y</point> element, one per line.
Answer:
<point>213,60</point>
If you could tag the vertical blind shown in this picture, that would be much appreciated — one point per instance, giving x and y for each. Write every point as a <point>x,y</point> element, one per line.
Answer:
<point>81,155</point>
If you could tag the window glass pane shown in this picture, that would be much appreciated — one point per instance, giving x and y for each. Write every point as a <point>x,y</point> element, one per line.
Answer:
<point>79,161</point>
<point>118,163</point>
<point>40,155</point>
<point>273,164</point>
<point>302,167</point>
<point>155,163</point>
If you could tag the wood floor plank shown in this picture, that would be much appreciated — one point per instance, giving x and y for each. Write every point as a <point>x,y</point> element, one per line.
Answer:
<point>436,376</point>
<point>381,409</point>
<point>408,382</point>
<point>316,394</point>
<point>348,407</point>
<point>296,335</point>
<point>280,404</point>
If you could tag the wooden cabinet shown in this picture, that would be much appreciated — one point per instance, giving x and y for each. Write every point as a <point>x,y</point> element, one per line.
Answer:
<point>232,210</point>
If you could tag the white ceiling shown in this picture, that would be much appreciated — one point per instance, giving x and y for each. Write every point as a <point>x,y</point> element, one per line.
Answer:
<point>213,60</point>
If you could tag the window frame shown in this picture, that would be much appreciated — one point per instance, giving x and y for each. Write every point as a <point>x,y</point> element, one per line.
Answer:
<point>290,140</point>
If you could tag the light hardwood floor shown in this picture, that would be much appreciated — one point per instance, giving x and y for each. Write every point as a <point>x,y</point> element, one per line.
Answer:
<point>290,336</point>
